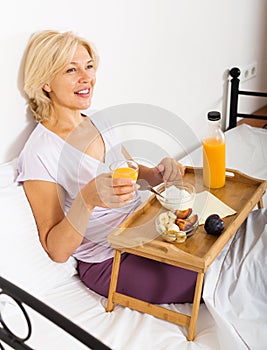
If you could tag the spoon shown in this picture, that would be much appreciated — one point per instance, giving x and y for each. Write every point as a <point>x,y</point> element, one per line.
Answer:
<point>151,189</point>
<point>144,185</point>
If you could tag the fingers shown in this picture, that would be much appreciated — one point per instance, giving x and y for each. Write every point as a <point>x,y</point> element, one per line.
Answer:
<point>173,170</point>
<point>180,167</point>
<point>160,168</point>
<point>114,193</point>
<point>124,190</point>
<point>122,199</point>
<point>123,182</point>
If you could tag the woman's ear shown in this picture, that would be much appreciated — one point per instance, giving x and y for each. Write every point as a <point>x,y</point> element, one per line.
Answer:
<point>46,87</point>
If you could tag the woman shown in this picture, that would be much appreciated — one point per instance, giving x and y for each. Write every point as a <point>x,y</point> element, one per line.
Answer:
<point>64,171</point>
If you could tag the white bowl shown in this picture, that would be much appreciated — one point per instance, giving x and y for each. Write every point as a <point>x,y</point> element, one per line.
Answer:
<point>176,227</point>
<point>177,195</point>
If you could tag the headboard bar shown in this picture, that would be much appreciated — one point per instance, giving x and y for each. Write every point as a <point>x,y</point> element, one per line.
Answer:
<point>234,72</point>
<point>252,93</point>
<point>235,92</point>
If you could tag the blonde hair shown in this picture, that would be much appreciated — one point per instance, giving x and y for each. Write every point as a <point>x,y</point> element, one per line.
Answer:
<point>47,53</point>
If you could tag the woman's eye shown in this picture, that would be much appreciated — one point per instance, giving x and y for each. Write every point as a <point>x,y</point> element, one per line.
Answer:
<point>70,70</point>
<point>89,66</point>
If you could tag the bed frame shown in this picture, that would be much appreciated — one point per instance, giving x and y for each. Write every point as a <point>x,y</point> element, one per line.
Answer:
<point>20,297</point>
<point>234,95</point>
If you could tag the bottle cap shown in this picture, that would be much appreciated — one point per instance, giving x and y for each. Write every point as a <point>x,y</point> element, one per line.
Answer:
<point>214,115</point>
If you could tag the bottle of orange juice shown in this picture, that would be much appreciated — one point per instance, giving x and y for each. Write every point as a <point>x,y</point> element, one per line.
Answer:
<point>213,146</point>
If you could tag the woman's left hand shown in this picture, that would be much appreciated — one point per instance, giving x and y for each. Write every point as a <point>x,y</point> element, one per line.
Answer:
<point>167,170</point>
<point>170,169</point>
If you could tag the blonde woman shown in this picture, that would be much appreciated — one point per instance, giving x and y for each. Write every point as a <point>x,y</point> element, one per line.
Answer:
<point>65,174</point>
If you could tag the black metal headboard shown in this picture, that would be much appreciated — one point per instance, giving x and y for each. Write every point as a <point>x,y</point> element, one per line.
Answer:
<point>20,297</point>
<point>235,92</point>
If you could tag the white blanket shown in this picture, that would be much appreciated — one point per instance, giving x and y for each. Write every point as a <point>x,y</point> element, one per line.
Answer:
<point>235,289</point>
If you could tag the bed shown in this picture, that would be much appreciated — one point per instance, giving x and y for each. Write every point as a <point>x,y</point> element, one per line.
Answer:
<point>228,319</point>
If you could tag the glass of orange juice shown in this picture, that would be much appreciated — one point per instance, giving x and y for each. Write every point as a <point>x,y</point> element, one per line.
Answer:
<point>124,169</point>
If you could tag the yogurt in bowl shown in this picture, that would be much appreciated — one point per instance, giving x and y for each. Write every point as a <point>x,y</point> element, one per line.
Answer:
<point>177,195</point>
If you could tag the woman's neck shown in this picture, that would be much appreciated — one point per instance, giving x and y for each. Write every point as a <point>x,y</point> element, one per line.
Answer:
<point>63,125</point>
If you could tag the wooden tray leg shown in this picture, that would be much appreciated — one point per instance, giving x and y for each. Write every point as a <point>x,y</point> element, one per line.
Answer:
<point>195,308</point>
<point>260,203</point>
<point>113,280</point>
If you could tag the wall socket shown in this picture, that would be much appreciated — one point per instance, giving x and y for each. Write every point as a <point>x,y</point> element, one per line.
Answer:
<point>248,72</point>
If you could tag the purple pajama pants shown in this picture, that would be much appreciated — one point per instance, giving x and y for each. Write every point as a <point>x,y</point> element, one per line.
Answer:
<point>141,278</point>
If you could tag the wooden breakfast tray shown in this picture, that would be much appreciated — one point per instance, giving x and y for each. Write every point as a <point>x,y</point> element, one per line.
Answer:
<point>138,234</point>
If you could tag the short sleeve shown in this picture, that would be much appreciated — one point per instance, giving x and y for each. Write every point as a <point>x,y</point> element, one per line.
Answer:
<point>39,158</point>
<point>33,167</point>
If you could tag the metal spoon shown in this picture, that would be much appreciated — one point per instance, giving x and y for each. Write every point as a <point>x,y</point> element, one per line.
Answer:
<point>144,185</point>
<point>151,189</point>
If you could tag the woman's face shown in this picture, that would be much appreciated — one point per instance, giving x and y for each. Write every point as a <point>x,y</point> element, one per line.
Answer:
<point>72,88</point>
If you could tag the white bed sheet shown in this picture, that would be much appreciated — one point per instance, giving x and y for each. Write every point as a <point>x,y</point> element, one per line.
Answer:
<point>236,287</point>
<point>219,326</point>
<point>121,329</point>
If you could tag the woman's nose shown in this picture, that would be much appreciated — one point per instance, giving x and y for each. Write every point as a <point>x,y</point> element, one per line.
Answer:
<point>86,75</point>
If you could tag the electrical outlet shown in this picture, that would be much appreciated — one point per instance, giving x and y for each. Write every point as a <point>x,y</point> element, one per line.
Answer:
<point>248,72</point>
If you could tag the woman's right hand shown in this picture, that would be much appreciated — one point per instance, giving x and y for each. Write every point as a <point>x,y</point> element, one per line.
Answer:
<point>104,191</point>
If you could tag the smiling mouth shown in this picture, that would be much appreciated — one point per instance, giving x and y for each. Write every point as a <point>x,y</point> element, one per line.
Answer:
<point>83,92</point>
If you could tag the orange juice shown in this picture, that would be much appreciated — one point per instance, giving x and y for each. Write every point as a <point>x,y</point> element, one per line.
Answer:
<point>213,163</point>
<point>125,173</point>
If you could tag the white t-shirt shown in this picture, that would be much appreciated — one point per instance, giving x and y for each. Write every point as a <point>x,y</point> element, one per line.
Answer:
<point>48,157</point>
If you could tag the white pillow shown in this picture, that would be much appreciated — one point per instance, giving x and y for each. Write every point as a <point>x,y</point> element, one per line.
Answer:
<point>8,173</point>
<point>22,258</point>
